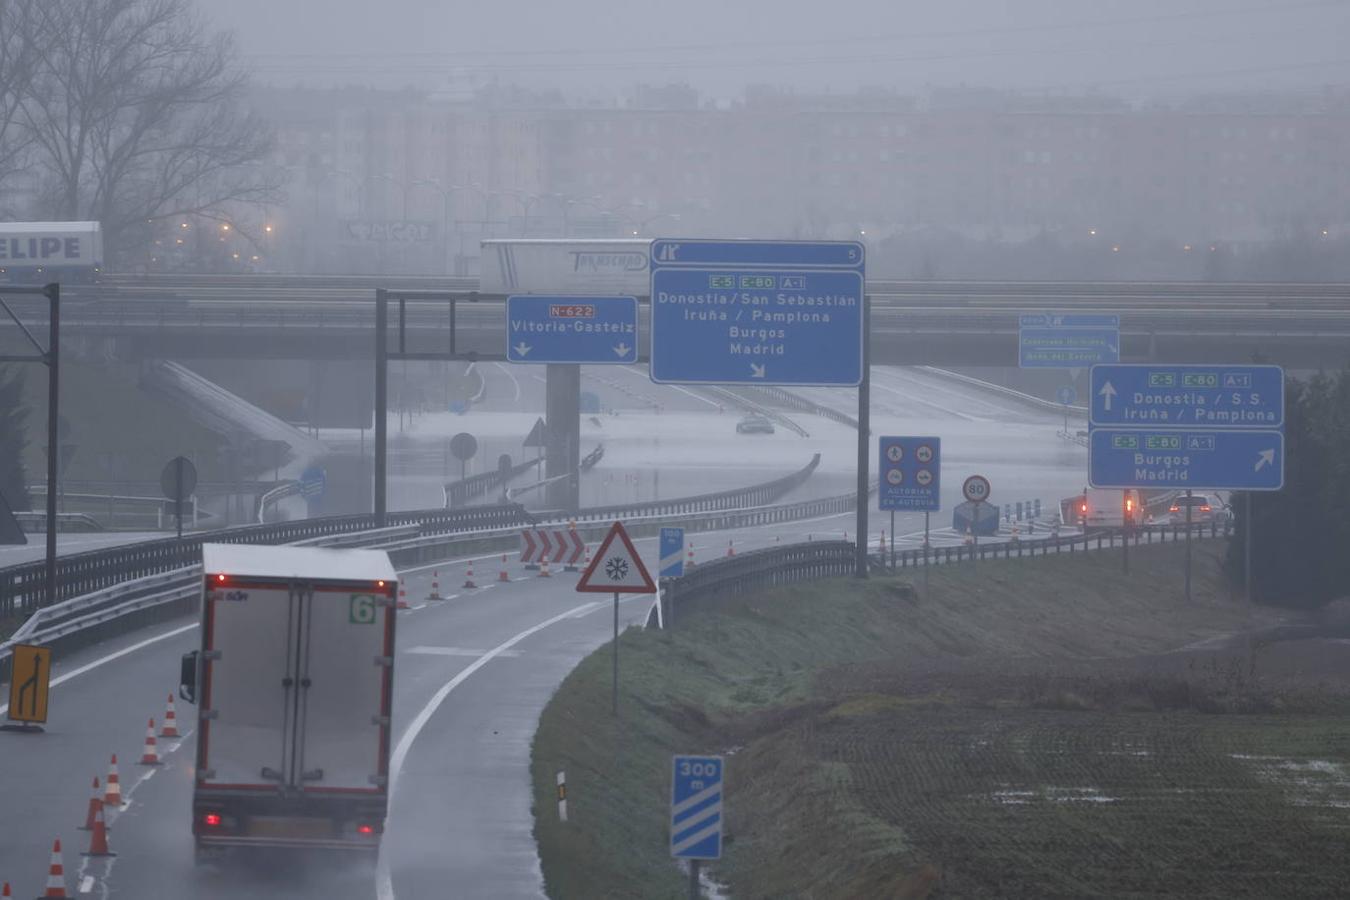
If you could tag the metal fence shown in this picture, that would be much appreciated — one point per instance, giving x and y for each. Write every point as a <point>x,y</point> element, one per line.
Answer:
<point>753,571</point>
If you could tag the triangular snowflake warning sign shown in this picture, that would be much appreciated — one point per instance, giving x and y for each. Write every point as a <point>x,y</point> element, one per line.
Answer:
<point>616,567</point>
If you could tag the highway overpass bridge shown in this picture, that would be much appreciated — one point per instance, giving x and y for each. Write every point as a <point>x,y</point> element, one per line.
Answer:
<point>918,323</point>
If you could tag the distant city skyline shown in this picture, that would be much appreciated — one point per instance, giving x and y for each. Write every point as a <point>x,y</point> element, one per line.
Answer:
<point>1138,49</point>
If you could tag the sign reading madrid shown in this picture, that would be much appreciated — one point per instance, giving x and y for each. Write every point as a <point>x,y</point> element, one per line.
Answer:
<point>757,312</point>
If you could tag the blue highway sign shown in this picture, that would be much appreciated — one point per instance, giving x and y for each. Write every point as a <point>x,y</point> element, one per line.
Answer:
<point>313,482</point>
<point>1067,341</point>
<point>569,329</point>
<point>672,553</point>
<point>696,807</point>
<point>1237,460</point>
<point>911,469</point>
<point>1148,396</point>
<point>757,312</point>
<point>1066,395</point>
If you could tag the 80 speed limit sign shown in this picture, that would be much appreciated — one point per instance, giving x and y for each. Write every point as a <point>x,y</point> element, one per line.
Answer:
<point>976,489</point>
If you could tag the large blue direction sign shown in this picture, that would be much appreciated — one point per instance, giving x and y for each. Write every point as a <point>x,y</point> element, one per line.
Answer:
<point>757,312</point>
<point>591,330</point>
<point>696,807</point>
<point>1186,458</point>
<point>672,553</point>
<point>1064,341</point>
<point>1188,396</point>
<point>911,469</point>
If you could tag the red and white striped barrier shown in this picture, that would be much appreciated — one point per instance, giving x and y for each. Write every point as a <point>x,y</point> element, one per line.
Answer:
<point>556,545</point>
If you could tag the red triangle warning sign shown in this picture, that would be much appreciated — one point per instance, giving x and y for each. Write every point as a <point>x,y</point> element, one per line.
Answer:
<point>616,567</point>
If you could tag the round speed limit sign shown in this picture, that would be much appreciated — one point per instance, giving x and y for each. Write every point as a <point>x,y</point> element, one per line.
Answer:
<point>976,489</point>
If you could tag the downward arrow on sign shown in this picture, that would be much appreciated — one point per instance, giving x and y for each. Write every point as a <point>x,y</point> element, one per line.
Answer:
<point>523,349</point>
<point>621,349</point>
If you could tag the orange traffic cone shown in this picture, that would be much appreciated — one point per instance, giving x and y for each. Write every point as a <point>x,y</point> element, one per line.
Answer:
<point>98,841</point>
<point>502,575</point>
<point>170,729</point>
<point>95,804</point>
<point>403,598</point>
<point>691,556</point>
<point>543,568</point>
<point>56,874</point>
<point>112,787</point>
<point>468,577</point>
<point>435,586</point>
<point>4,890</point>
<point>150,755</point>
<point>731,548</point>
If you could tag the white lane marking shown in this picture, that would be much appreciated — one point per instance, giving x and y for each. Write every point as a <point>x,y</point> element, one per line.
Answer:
<point>420,606</point>
<point>514,382</point>
<point>384,882</point>
<point>86,884</point>
<point>456,651</point>
<point>125,651</point>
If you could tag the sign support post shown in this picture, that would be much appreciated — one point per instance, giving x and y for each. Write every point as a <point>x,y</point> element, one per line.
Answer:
<point>694,892</point>
<point>892,539</point>
<point>1188,545</point>
<point>864,436</point>
<point>925,552</point>
<point>617,568</point>
<point>1247,549</point>
<point>616,655</point>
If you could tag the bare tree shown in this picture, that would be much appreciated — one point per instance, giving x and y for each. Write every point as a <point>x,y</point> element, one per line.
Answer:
<point>137,112</point>
<point>19,55</point>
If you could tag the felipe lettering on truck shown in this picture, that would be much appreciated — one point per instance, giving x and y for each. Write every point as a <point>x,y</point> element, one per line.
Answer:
<point>16,249</point>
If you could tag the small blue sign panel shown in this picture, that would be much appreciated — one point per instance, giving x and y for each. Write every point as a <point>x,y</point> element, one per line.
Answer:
<point>757,312</point>
<point>313,482</point>
<point>911,469</point>
<point>696,807</point>
<point>1067,348</point>
<point>566,329</point>
<point>672,553</point>
<point>1148,396</point>
<point>1067,395</point>
<point>1236,460</point>
<point>1070,320</point>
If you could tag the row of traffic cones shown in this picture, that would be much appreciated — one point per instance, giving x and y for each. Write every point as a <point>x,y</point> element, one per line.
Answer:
<point>104,796</point>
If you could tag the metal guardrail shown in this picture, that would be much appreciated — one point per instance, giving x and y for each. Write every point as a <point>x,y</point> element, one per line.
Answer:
<point>458,493</point>
<point>23,587</point>
<point>275,496</point>
<point>1102,539</point>
<point>802,404</point>
<point>753,571</point>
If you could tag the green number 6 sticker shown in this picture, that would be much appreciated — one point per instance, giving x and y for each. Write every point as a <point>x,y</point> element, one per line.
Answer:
<point>362,611</point>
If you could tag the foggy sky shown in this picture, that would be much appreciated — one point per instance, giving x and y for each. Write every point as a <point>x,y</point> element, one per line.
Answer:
<point>1135,48</point>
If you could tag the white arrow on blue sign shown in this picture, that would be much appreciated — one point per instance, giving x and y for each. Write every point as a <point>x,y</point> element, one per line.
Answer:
<point>696,807</point>
<point>757,312</point>
<point>567,329</point>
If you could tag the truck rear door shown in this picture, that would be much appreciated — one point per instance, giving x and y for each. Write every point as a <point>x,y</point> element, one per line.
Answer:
<point>345,677</point>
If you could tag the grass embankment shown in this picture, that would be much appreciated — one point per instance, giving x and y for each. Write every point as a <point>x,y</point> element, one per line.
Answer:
<point>1008,733</point>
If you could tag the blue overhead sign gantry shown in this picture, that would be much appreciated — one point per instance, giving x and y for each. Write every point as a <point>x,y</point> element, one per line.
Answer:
<point>567,329</point>
<point>757,312</point>
<point>1065,341</point>
<point>1187,426</point>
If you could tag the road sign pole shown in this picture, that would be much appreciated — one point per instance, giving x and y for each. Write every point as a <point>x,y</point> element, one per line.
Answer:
<point>178,494</point>
<point>53,292</point>
<point>975,536</point>
<point>1188,546</point>
<point>616,654</point>
<point>925,552</point>
<point>381,402</point>
<point>1125,532</point>
<point>892,539</point>
<point>1247,548</point>
<point>694,892</point>
<point>864,437</point>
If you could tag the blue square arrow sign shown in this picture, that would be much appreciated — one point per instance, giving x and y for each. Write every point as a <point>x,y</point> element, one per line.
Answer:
<point>566,329</point>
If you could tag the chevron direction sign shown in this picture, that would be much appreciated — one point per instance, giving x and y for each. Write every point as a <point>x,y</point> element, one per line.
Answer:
<point>558,545</point>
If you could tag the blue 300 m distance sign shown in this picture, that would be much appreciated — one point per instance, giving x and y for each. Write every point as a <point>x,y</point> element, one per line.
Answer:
<point>591,330</point>
<point>757,312</point>
<point>696,807</point>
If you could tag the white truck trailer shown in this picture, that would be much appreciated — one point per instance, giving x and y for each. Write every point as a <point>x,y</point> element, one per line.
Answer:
<point>565,267</point>
<point>293,685</point>
<point>39,252</point>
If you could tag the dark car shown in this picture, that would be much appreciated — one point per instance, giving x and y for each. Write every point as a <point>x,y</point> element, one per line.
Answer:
<point>754,424</point>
